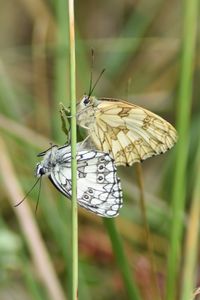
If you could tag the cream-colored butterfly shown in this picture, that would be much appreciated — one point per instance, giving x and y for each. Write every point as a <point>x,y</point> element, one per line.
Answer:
<point>128,132</point>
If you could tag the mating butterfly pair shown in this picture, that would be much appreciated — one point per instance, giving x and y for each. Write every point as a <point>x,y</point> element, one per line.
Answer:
<point>124,133</point>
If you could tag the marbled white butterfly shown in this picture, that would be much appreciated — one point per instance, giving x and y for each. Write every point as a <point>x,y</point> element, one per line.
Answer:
<point>98,187</point>
<point>128,132</point>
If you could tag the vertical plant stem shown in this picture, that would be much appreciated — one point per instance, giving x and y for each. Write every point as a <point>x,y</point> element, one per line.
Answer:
<point>74,212</point>
<point>183,119</point>
<point>61,88</point>
<point>155,288</point>
<point>122,262</point>
<point>191,243</point>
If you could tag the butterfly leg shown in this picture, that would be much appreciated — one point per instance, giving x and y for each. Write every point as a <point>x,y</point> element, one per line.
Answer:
<point>85,127</point>
<point>86,144</point>
<point>64,115</point>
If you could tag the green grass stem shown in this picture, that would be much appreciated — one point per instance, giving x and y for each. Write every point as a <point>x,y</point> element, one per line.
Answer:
<point>192,237</point>
<point>121,260</point>
<point>149,241</point>
<point>61,93</point>
<point>183,120</point>
<point>74,211</point>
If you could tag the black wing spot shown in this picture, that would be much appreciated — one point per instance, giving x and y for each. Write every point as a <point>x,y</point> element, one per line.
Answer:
<point>86,197</point>
<point>101,159</point>
<point>90,191</point>
<point>100,178</point>
<point>100,167</point>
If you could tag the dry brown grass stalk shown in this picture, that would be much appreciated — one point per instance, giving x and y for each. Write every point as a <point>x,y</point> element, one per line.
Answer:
<point>29,228</point>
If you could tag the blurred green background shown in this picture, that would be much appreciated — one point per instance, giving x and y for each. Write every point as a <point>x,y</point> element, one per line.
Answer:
<point>139,44</point>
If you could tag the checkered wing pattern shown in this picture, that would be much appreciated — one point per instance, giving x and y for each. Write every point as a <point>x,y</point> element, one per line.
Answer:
<point>98,187</point>
<point>128,132</point>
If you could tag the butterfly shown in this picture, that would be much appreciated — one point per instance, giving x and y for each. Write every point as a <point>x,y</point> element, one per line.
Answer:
<point>98,187</point>
<point>128,132</point>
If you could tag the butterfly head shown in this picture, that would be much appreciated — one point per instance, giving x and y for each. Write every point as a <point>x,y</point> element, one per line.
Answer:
<point>87,101</point>
<point>40,170</point>
<point>86,110</point>
<point>49,161</point>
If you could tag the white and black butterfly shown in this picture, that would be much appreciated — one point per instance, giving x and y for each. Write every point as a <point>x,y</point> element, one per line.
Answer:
<point>98,187</point>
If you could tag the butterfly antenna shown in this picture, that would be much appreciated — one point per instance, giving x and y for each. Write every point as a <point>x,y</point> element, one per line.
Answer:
<point>20,202</point>
<point>91,72</point>
<point>95,84</point>
<point>38,199</point>
<point>51,151</point>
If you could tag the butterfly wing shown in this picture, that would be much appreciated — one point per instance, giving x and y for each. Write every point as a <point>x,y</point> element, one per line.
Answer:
<point>60,172</point>
<point>130,133</point>
<point>98,187</point>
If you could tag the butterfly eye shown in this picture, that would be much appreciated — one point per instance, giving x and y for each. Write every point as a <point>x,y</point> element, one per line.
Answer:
<point>86,100</point>
<point>101,167</point>
<point>100,178</point>
<point>40,171</point>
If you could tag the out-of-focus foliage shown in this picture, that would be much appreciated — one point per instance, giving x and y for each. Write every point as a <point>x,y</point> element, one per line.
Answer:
<point>138,42</point>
